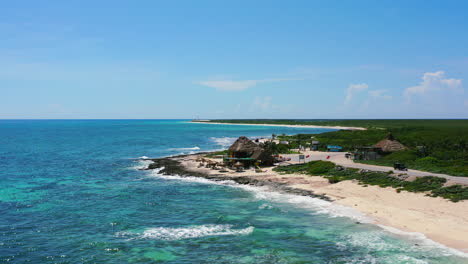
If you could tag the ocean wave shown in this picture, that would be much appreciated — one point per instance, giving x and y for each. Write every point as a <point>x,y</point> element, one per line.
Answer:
<point>265,193</point>
<point>320,206</point>
<point>155,173</point>
<point>223,141</point>
<point>376,241</point>
<point>181,149</point>
<point>169,233</point>
<point>424,242</point>
<point>141,164</point>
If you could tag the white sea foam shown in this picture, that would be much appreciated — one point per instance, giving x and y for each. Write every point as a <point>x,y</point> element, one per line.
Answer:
<point>141,164</point>
<point>424,242</point>
<point>223,141</point>
<point>182,149</point>
<point>167,233</point>
<point>264,193</point>
<point>143,157</point>
<point>376,241</point>
<point>155,173</point>
<point>265,206</point>
<point>316,205</point>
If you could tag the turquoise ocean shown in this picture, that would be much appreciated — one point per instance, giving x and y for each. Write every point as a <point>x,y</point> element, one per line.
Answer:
<point>71,192</point>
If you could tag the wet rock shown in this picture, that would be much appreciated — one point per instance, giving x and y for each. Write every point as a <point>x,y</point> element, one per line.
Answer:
<point>172,166</point>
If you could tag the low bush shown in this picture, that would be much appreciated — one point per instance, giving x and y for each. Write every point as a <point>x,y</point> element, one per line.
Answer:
<point>454,193</point>
<point>320,167</point>
<point>423,184</point>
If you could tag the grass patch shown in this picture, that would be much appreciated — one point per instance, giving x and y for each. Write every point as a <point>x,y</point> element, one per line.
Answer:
<point>217,153</point>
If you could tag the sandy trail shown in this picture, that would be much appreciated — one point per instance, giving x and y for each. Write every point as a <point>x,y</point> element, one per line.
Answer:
<point>340,159</point>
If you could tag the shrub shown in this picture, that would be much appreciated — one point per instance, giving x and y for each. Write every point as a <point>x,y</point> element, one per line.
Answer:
<point>334,179</point>
<point>424,184</point>
<point>455,193</point>
<point>427,161</point>
<point>296,168</point>
<point>320,167</point>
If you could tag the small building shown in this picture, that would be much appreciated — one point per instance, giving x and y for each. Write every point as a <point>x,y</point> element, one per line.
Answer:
<point>314,145</point>
<point>390,144</point>
<point>366,153</point>
<point>334,148</point>
<point>385,146</point>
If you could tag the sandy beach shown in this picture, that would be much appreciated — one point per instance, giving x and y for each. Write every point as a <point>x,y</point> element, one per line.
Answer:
<point>303,126</point>
<point>438,219</point>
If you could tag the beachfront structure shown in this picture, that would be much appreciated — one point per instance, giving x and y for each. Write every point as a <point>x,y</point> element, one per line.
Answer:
<point>248,153</point>
<point>334,148</point>
<point>314,145</point>
<point>385,146</point>
<point>366,153</point>
<point>390,144</point>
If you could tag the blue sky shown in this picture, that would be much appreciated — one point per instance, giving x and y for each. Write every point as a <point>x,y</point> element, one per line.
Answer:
<point>234,59</point>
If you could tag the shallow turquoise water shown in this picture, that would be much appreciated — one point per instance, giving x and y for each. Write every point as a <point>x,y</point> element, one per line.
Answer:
<point>70,192</point>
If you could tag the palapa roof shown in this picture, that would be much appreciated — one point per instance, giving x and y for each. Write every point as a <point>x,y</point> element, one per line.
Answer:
<point>243,144</point>
<point>390,144</point>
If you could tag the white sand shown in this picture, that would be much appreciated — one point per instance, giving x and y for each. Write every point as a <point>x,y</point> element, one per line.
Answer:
<point>303,126</point>
<point>439,219</point>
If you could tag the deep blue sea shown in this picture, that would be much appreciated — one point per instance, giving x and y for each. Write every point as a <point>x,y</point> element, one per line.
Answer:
<point>71,192</point>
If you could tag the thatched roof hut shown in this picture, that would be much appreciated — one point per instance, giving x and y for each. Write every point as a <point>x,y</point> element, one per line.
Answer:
<point>245,146</point>
<point>390,144</point>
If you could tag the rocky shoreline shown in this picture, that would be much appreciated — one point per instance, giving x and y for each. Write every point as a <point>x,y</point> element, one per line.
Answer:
<point>173,166</point>
<point>407,211</point>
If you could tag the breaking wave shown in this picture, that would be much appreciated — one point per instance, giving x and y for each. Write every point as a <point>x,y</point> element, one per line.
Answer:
<point>223,141</point>
<point>167,233</point>
<point>319,206</point>
<point>181,149</point>
<point>141,163</point>
<point>265,193</point>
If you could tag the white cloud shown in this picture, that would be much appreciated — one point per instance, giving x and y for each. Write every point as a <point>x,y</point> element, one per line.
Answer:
<point>376,94</point>
<point>434,81</point>
<point>228,85</point>
<point>353,89</point>
<point>262,103</point>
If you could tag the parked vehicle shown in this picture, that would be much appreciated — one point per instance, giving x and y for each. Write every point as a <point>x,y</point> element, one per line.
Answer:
<point>400,166</point>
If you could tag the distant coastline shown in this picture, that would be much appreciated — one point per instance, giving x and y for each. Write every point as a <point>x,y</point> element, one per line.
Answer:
<point>278,125</point>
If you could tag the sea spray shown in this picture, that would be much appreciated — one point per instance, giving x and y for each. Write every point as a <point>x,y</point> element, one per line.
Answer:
<point>171,233</point>
<point>374,239</point>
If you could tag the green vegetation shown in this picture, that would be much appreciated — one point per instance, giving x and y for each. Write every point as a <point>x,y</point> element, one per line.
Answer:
<point>444,142</point>
<point>432,185</point>
<point>217,153</point>
<point>274,148</point>
<point>457,167</point>
<point>367,123</point>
